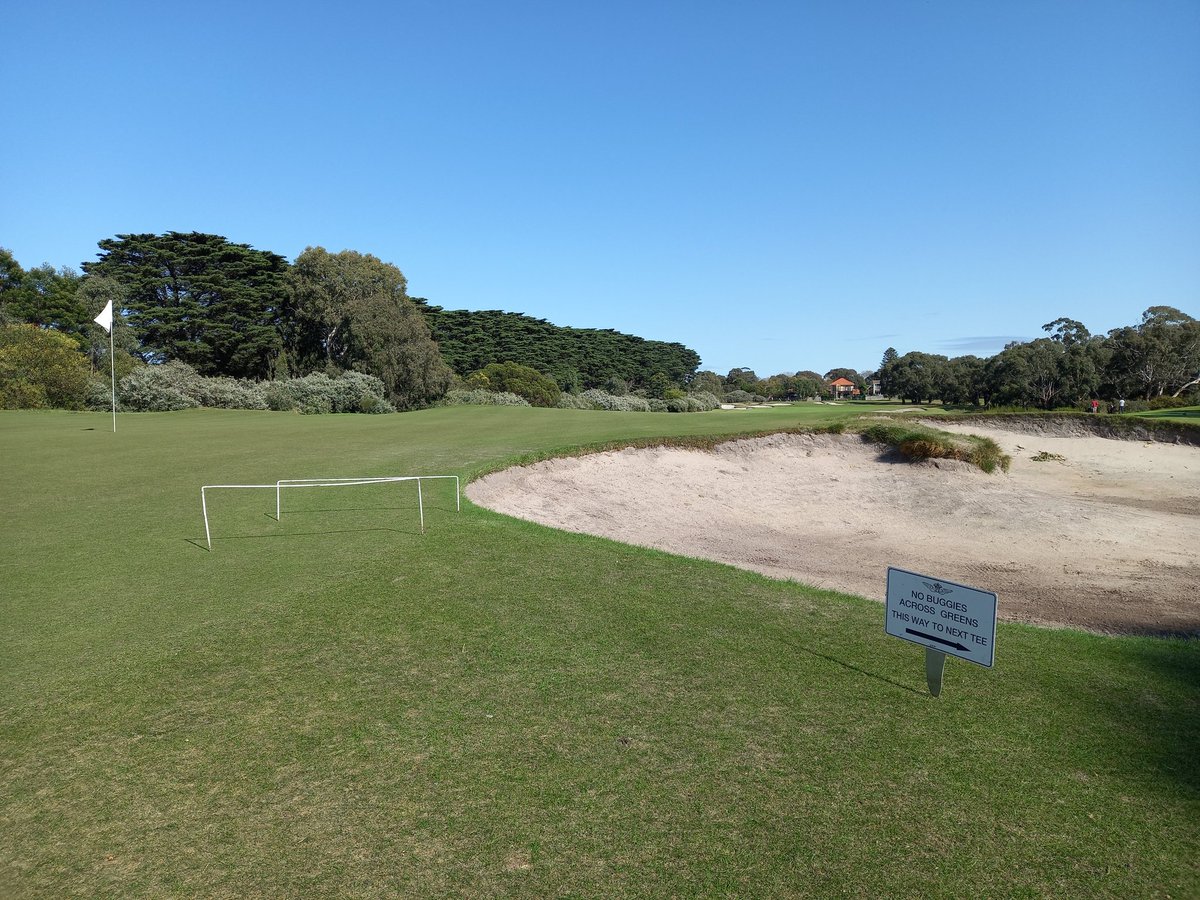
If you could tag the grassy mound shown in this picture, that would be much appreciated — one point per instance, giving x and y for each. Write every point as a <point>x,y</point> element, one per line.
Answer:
<point>919,442</point>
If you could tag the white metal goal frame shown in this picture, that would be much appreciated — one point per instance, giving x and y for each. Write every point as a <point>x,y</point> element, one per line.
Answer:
<point>282,483</point>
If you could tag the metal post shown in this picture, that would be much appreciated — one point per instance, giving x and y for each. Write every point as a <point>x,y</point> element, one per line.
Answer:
<point>112,364</point>
<point>204,509</point>
<point>420,506</point>
<point>935,664</point>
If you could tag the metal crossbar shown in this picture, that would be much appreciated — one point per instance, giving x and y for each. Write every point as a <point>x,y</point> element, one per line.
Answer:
<point>326,482</point>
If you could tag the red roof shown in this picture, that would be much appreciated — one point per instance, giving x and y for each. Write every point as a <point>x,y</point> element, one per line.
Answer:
<point>841,382</point>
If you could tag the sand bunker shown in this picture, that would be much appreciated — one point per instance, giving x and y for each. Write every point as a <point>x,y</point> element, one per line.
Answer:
<point>1104,539</point>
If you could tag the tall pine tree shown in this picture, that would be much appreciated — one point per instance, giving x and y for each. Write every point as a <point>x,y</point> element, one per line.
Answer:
<point>201,299</point>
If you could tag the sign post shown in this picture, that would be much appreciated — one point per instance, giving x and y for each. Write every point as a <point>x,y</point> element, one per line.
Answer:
<point>943,617</point>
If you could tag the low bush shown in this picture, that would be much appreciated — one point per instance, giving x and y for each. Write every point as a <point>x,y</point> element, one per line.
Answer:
<point>1156,403</point>
<point>600,400</point>
<point>481,397</point>
<point>349,392</point>
<point>230,393</point>
<point>163,388</point>
<point>572,401</point>
<point>513,378</point>
<point>176,385</point>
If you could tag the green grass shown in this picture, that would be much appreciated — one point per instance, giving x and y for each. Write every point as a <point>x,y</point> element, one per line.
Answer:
<point>338,705</point>
<point>1189,415</point>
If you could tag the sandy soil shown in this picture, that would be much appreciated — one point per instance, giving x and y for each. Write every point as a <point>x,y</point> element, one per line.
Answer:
<point>1104,540</point>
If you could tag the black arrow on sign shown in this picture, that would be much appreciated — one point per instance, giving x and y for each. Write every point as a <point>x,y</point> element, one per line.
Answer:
<point>930,637</point>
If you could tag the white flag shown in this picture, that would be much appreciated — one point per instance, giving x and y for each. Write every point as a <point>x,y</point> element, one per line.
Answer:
<point>104,320</point>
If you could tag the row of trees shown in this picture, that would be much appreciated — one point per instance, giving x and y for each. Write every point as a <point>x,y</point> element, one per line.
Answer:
<point>228,309</point>
<point>784,386</point>
<point>1158,357</point>
<point>576,358</point>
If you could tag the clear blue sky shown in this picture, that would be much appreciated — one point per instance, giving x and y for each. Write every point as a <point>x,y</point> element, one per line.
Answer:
<point>778,185</point>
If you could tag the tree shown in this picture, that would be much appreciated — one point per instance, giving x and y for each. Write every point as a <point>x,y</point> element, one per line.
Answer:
<point>1044,372</point>
<point>917,376</point>
<point>848,374</point>
<point>584,357</point>
<point>94,292</point>
<point>1006,377</point>
<point>740,379</point>
<point>200,299</point>
<point>40,367</point>
<point>706,382</point>
<point>43,296</point>
<point>889,356</point>
<point>353,312</point>
<point>1161,354</point>
<point>11,278</point>
<point>658,385</point>
<point>962,382</point>
<point>1067,331</point>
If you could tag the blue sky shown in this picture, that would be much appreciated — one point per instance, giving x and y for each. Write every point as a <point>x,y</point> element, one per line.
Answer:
<point>780,186</point>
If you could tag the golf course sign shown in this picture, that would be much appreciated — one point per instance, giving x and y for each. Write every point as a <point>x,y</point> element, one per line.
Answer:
<point>941,615</point>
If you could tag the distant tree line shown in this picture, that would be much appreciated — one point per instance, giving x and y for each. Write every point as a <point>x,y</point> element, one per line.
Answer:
<point>576,358</point>
<point>228,310</point>
<point>1155,361</point>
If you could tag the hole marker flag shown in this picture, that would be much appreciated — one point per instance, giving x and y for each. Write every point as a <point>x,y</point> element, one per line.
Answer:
<point>104,320</point>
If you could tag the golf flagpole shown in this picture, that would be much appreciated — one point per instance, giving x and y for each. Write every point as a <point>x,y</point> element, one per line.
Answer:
<point>105,321</point>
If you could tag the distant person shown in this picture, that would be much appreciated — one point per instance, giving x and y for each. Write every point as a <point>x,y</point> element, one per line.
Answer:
<point>1122,404</point>
<point>1095,406</point>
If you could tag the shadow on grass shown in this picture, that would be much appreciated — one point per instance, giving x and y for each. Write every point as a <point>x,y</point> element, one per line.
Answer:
<point>337,509</point>
<point>1157,731</point>
<point>293,534</point>
<point>851,667</point>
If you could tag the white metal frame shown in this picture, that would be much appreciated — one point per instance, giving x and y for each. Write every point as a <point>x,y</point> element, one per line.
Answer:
<point>327,482</point>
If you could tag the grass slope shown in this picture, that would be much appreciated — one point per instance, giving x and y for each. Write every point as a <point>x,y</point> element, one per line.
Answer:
<point>338,705</point>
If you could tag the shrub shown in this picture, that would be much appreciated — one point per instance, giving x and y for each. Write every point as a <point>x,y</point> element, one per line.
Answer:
<point>278,397</point>
<point>600,400</point>
<point>349,392</point>
<point>514,378</point>
<point>98,395</point>
<point>230,393</point>
<point>573,401</point>
<point>739,397</point>
<point>40,367</point>
<point>481,397</point>
<point>616,386</point>
<point>703,402</point>
<point>1156,403</point>
<point>170,386</point>
<point>358,392</point>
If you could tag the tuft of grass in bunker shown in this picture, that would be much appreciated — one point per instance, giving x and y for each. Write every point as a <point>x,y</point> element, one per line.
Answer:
<point>917,442</point>
<point>1046,456</point>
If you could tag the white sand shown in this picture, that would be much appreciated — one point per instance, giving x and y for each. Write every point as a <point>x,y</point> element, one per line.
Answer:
<point>1105,540</point>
